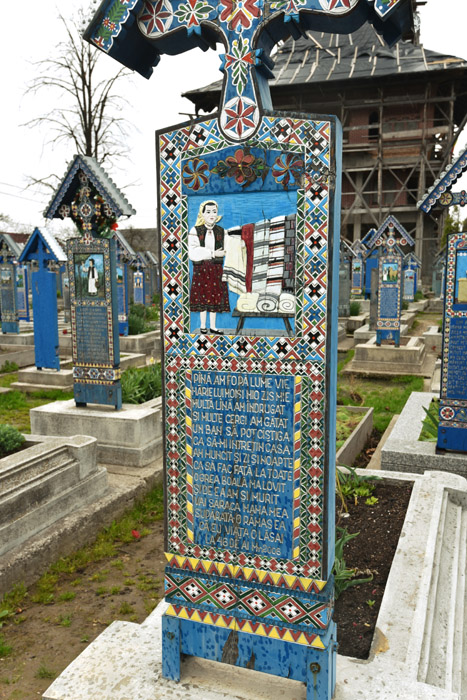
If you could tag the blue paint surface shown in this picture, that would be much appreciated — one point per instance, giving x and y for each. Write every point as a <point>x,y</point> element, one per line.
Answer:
<point>44,303</point>
<point>243,449</point>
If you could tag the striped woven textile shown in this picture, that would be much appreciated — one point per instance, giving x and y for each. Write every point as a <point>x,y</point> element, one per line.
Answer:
<point>288,281</point>
<point>260,256</point>
<point>275,272</point>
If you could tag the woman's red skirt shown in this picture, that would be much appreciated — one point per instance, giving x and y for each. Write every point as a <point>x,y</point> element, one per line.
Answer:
<point>208,291</point>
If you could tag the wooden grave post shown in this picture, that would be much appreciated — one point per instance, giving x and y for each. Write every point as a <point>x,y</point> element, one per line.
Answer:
<point>452,428</point>
<point>43,249</point>
<point>88,196</point>
<point>250,340</point>
<point>9,253</point>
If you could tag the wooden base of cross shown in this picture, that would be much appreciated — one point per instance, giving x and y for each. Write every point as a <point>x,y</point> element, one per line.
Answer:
<point>314,666</point>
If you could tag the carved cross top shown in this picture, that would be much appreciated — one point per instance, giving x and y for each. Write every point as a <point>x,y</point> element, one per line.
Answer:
<point>249,29</point>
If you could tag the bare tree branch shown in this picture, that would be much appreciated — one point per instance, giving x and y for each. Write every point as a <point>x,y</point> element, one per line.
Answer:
<point>88,112</point>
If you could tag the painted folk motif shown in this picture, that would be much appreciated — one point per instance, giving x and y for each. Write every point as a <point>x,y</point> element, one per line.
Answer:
<point>249,451</point>
<point>452,430</point>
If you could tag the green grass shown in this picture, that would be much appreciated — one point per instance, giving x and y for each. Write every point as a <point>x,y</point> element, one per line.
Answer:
<point>44,672</point>
<point>15,406</point>
<point>126,609</point>
<point>5,649</point>
<point>68,595</point>
<point>346,422</point>
<point>386,396</point>
<point>7,379</point>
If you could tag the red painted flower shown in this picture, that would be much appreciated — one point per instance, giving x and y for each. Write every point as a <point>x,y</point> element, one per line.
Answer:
<point>156,17</point>
<point>240,116</point>
<point>240,166</point>
<point>239,12</point>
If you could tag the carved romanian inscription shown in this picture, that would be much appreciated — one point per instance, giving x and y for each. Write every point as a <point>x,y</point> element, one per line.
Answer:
<point>243,461</point>
<point>389,302</point>
<point>456,364</point>
<point>92,343</point>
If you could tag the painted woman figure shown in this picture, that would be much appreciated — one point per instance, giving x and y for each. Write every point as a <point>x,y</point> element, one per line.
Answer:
<point>92,277</point>
<point>206,251</point>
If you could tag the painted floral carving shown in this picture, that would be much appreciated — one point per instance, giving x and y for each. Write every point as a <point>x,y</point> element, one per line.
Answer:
<point>192,13</point>
<point>239,12</point>
<point>240,61</point>
<point>337,6</point>
<point>290,7</point>
<point>243,166</point>
<point>240,117</point>
<point>288,169</point>
<point>155,17</point>
<point>195,173</point>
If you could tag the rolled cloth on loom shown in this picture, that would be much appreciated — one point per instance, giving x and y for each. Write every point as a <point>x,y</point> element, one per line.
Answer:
<point>267,302</point>
<point>287,303</point>
<point>235,261</point>
<point>247,302</point>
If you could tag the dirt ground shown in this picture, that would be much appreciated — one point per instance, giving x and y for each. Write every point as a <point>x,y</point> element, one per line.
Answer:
<point>47,637</point>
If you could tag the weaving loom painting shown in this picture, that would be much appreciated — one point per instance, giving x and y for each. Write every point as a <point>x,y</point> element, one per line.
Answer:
<point>242,218</point>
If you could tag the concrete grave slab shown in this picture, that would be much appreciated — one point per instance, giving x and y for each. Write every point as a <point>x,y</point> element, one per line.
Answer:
<point>404,452</point>
<point>131,436</point>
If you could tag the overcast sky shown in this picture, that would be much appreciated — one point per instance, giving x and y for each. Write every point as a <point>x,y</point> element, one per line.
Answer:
<point>154,103</point>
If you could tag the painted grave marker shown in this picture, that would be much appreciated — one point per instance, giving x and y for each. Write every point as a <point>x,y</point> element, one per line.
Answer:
<point>91,199</point>
<point>9,255</point>
<point>388,324</point>
<point>43,249</point>
<point>125,257</point>
<point>249,204</point>
<point>452,430</point>
<point>22,292</point>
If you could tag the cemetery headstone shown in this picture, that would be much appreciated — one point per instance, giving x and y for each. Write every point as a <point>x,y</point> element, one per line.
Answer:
<point>373,321</point>
<point>357,275</point>
<point>66,298</point>
<point>90,198</point>
<point>125,256</point>
<point>452,430</point>
<point>250,369</point>
<point>9,254</point>
<point>388,322</point>
<point>344,290</point>
<point>43,249</point>
<point>22,292</point>
<point>438,274</point>
<point>138,286</point>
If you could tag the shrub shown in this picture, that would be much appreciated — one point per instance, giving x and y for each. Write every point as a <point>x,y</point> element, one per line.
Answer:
<point>142,319</point>
<point>10,439</point>
<point>8,367</point>
<point>141,384</point>
<point>355,308</point>
<point>418,296</point>
<point>405,305</point>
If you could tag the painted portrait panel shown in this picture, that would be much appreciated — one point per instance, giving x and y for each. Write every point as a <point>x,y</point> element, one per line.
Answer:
<point>390,273</point>
<point>89,275</point>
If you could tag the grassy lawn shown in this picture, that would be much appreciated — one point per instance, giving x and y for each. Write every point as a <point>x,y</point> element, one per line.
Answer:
<point>15,406</point>
<point>387,396</point>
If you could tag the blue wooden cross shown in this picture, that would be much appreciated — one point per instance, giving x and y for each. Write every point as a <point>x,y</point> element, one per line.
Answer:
<point>137,32</point>
<point>43,248</point>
